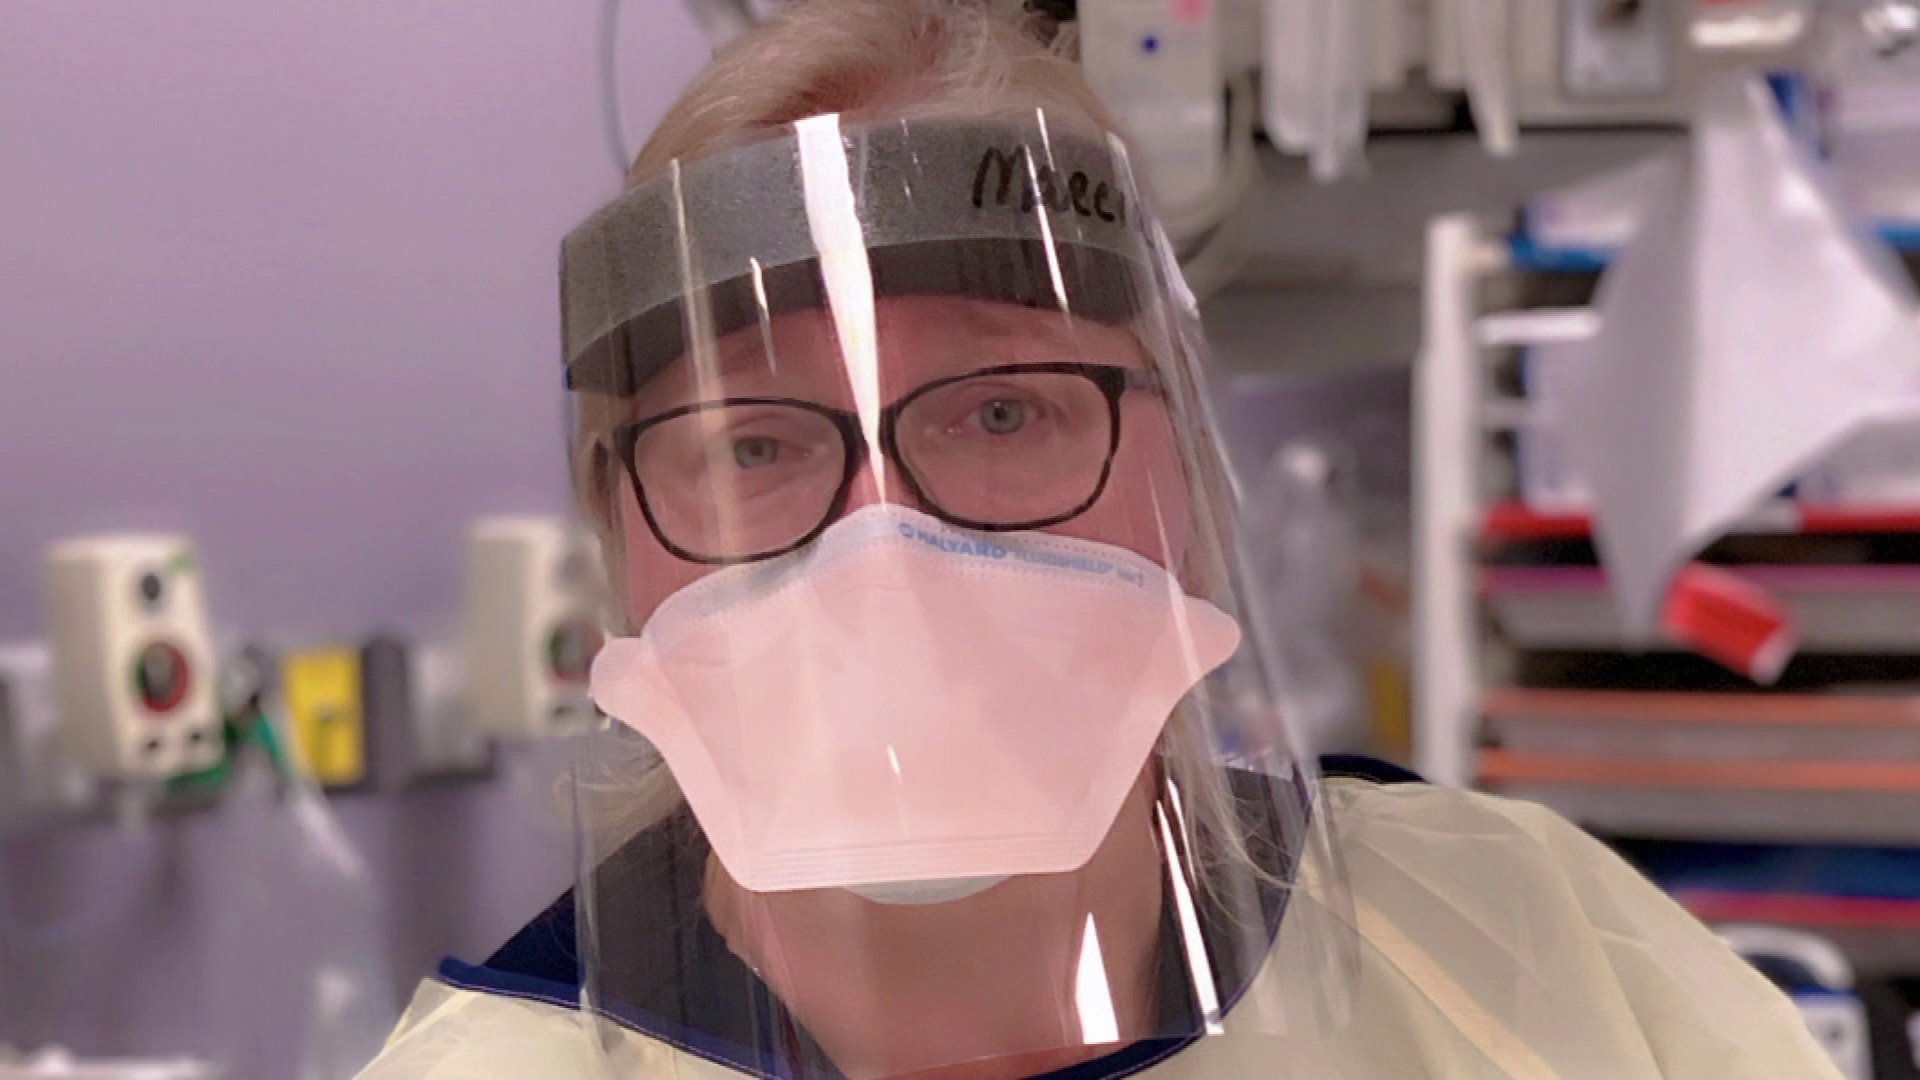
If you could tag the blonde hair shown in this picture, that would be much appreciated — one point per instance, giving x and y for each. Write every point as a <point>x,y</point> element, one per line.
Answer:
<point>867,59</point>
<point>888,60</point>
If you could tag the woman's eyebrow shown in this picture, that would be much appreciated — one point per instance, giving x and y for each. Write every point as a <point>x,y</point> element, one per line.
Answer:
<point>749,352</point>
<point>753,348</point>
<point>1000,321</point>
<point>735,357</point>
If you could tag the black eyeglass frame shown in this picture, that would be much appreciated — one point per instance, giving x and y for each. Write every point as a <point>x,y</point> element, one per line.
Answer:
<point>1113,381</point>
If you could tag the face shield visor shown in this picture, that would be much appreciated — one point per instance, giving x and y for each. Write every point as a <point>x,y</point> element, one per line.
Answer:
<point>940,728</point>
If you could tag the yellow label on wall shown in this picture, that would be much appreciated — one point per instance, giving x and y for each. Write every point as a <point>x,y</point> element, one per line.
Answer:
<point>322,689</point>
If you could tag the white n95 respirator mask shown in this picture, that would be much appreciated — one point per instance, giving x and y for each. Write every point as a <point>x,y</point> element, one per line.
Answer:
<point>904,702</point>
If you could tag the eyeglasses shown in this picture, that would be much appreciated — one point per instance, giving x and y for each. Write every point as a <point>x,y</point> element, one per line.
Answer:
<point>1018,446</point>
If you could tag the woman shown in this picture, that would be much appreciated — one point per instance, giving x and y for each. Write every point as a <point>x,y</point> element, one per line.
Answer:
<point>945,747</point>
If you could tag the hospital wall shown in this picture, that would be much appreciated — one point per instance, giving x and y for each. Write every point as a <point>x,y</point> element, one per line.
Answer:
<point>283,278</point>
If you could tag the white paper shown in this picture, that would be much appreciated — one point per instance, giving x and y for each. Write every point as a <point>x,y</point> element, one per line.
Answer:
<point>1747,329</point>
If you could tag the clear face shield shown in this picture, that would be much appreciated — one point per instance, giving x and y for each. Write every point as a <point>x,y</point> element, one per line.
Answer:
<point>940,732</point>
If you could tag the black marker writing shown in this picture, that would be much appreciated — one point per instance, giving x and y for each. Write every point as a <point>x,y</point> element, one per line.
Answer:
<point>1043,184</point>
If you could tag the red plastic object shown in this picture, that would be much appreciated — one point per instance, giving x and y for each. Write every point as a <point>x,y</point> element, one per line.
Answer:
<point>1730,621</point>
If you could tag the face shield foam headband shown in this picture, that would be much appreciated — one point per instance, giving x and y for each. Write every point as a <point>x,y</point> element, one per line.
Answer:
<point>945,208</point>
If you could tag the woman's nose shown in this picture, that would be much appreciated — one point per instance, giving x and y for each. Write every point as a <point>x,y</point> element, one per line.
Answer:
<point>879,480</point>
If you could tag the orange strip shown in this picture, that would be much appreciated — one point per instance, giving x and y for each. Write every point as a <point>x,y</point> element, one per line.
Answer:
<point>1510,767</point>
<point>1812,710</point>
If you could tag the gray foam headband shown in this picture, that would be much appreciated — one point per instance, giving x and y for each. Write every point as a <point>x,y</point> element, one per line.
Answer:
<point>946,207</point>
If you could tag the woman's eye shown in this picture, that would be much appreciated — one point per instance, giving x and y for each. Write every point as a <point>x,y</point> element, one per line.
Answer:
<point>1002,416</point>
<point>755,451</point>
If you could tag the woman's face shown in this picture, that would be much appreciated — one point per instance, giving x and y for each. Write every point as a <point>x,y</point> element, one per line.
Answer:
<point>1144,506</point>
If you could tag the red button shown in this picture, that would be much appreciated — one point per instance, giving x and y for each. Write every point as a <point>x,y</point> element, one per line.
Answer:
<point>161,677</point>
<point>571,648</point>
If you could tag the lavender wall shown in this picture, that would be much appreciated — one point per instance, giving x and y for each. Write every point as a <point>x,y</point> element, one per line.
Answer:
<point>281,276</point>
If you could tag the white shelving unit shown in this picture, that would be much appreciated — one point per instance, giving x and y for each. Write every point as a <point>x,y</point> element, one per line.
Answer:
<point>1768,808</point>
<point>1449,383</point>
<point>1632,770</point>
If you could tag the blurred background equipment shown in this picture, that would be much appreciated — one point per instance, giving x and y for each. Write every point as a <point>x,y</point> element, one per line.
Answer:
<point>1301,518</point>
<point>57,1064</point>
<point>324,699</point>
<point>1665,551</point>
<point>1817,976</point>
<point>331,273</point>
<point>279,955</point>
<point>132,656</point>
<point>531,628</point>
<point>416,712</point>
